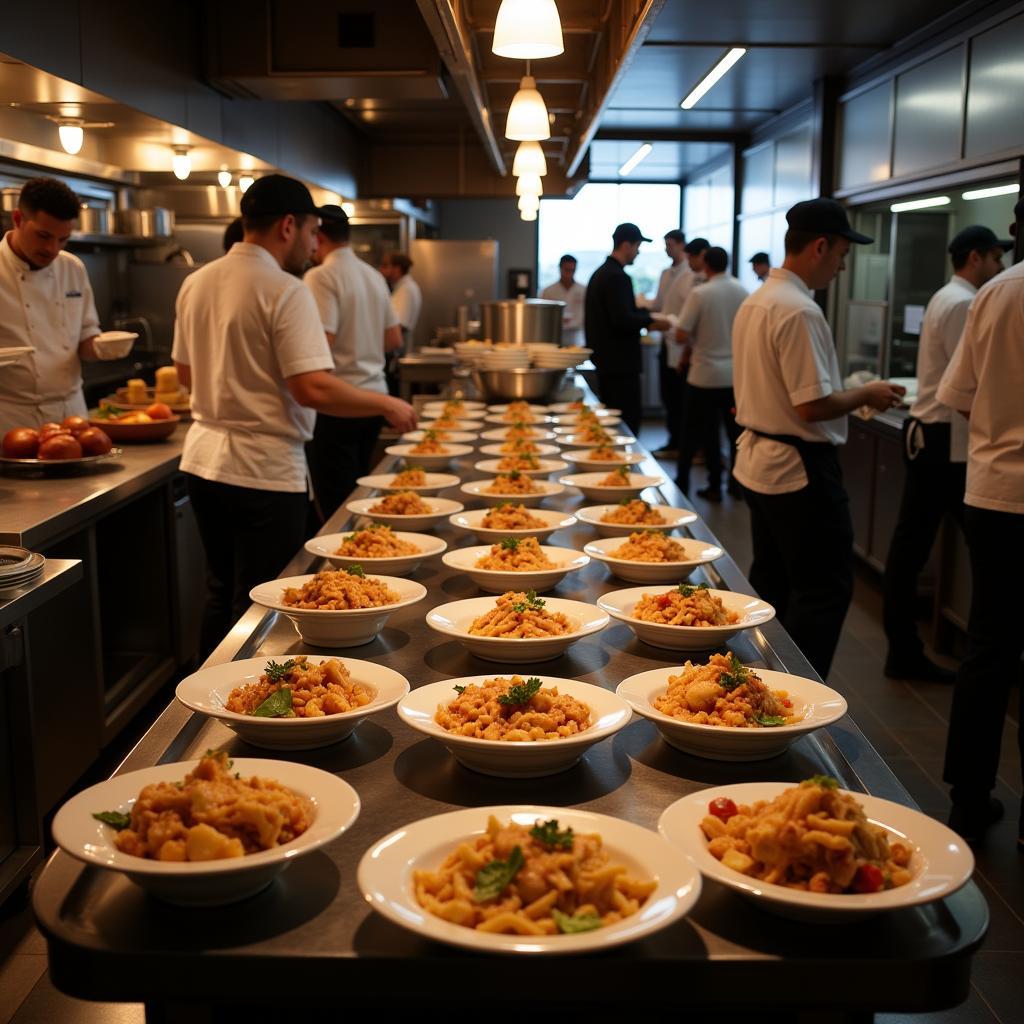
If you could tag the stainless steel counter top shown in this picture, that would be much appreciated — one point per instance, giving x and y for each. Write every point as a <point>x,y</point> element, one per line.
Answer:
<point>58,575</point>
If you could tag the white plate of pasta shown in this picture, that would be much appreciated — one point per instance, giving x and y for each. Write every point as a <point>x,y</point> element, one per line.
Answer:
<point>649,612</point>
<point>422,483</point>
<point>441,434</point>
<point>528,465</point>
<point>522,489</point>
<point>526,447</point>
<point>630,515</point>
<point>535,725</point>
<point>327,698</point>
<point>589,441</point>
<point>604,460</point>
<point>515,563</point>
<point>698,711</point>
<point>415,865</point>
<point>921,859</point>
<point>517,628</point>
<point>511,520</point>
<point>405,510</point>
<point>610,484</point>
<point>442,454</point>
<point>378,547</point>
<point>652,557</point>
<point>527,433</point>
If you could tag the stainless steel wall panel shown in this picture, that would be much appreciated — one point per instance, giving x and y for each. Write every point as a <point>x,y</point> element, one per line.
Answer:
<point>866,137</point>
<point>995,90</point>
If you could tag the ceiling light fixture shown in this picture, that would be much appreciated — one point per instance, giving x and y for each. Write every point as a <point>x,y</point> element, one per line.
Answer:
<point>529,160</point>
<point>245,181</point>
<point>527,119</point>
<point>181,163</point>
<point>527,30</point>
<point>919,204</point>
<point>71,130</point>
<point>349,208</point>
<point>994,190</point>
<point>528,202</point>
<point>223,177</point>
<point>528,214</point>
<point>712,77</point>
<point>629,166</point>
<point>529,185</point>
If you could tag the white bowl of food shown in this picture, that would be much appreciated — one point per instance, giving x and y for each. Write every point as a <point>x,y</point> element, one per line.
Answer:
<point>469,426</point>
<point>528,464</point>
<point>606,460</point>
<point>319,803</point>
<point>369,546</point>
<point>400,511</point>
<point>513,407</point>
<point>726,711</point>
<point>438,459</point>
<point>330,624</point>
<point>539,449</point>
<point>114,344</point>
<point>630,515</point>
<point>463,408</point>
<point>325,698</point>
<point>517,628</point>
<point>514,434</point>
<point>597,486</point>
<point>587,441</point>
<point>573,421</point>
<point>530,419</point>
<point>414,479</point>
<point>569,408</point>
<point>511,520</point>
<point>940,862</point>
<point>516,563</point>
<point>531,493</point>
<point>730,612</point>
<point>633,558</point>
<point>666,885</point>
<point>443,435</point>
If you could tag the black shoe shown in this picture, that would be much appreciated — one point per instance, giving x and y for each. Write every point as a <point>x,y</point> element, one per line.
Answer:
<point>710,494</point>
<point>918,668</point>
<point>971,820</point>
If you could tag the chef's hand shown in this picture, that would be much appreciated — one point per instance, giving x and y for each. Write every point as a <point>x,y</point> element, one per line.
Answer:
<point>882,394</point>
<point>659,323</point>
<point>399,414</point>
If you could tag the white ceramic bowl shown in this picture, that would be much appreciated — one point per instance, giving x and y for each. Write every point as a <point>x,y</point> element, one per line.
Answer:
<point>478,489</point>
<point>675,518</point>
<point>473,411</point>
<point>441,509</point>
<point>454,451</point>
<point>516,760</point>
<point>472,519</point>
<point>589,484</point>
<point>468,425</point>
<point>535,434</point>
<point>207,691</point>
<point>543,450</point>
<point>498,410</point>
<point>113,344</point>
<point>326,546</point>
<point>698,552</point>
<point>455,618</point>
<point>820,705</point>
<point>451,437</point>
<point>545,467</point>
<point>584,459</point>
<point>536,419</point>
<point>579,441</point>
<point>752,611</point>
<point>942,861</point>
<point>571,422</point>
<point>206,883</point>
<point>385,878</point>
<point>565,409</point>
<point>346,627</point>
<point>436,482</point>
<point>494,581</point>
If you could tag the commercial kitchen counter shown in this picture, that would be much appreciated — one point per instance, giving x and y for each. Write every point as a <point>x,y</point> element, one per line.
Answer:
<point>316,944</point>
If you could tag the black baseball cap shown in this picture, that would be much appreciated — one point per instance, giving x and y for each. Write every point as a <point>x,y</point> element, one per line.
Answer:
<point>277,195</point>
<point>333,213</point>
<point>628,233</point>
<point>824,217</point>
<point>696,245</point>
<point>979,237</point>
<point>760,257</point>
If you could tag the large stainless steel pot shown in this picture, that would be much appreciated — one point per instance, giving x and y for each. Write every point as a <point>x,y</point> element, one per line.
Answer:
<point>509,385</point>
<point>522,320</point>
<point>95,220</point>
<point>153,222</point>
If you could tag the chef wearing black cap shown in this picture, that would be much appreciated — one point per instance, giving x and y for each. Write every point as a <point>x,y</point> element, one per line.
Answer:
<point>790,401</point>
<point>760,263</point>
<point>249,342</point>
<point>613,323</point>
<point>936,469</point>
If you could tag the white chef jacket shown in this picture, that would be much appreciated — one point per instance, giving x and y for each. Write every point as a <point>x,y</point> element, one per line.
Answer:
<point>707,316</point>
<point>355,306</point>
<point>672,305</point>
<point>986,378</point>
<point>244,326</point>
<point>574,298</point>
<point>407,301</point>
<point>53,310</point>
<point>665,282</point>
<point>783,355</point>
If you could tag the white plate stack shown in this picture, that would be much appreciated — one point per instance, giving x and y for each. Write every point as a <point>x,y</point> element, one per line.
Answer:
<point>505,358</point>
<point>19,568</point>
<point>560,358</point>
<point>470,351</point>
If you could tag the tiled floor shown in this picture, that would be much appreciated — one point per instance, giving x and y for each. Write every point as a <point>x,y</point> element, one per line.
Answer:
<point>906,722</point>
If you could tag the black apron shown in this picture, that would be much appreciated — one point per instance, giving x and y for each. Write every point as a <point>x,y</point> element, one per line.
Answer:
<point>820,459</point>
<point>926,444</point>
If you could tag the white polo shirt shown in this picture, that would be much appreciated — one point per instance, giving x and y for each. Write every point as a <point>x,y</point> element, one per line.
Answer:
<point>355,306</point>
<point>574,298</point>
<point>783,355</point>
<point>665,282</point>
<point>986,378</point>
<point>244,326</point>
<point>685,281</point>
<point>707,316</point>
<point>51,309</point>
<point>407,301</point>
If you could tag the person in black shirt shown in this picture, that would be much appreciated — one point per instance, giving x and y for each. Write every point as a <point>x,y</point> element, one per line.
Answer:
<point>613,323</point>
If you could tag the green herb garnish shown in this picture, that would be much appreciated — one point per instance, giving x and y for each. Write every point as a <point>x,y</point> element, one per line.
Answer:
<point>494,878</point>
<point>356,570</point>
<point>825,781</point>
<point>275,672</point>
<point>220,755</point>
<point>429,435</point>
<point>514,475</point>
<point>549,835</point>
<point>521,693</point>
<point>460,690</point>
<point>577,923</point>
<point>688,590</point>
<point>532,603</point>
<point>736,676</point>
<point>115,819</point>
<point>277,705</point>
<point>412,468</point>
<point>769,720</point>
<point>107,412</point>
<point>510,543</point>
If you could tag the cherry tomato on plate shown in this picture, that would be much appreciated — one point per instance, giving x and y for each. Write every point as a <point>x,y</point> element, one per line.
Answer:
<point>723,808</point>
<point>868,879</point>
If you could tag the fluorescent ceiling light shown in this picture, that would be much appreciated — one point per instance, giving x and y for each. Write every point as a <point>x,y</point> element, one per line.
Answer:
<point>529,185</point>
<point>527,119</point>
<point>529,160</point>
<point>995,190</point>
<point>223,177</point>
<point>630,164</point>
<point>713,76</point>
<point>920,204</point>
<point>527,30</point>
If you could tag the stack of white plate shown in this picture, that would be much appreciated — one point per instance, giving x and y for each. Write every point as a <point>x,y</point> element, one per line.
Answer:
<point>19,568</point>
<point>470,351</point>
<point>561,358</point>
<point>505,358</point>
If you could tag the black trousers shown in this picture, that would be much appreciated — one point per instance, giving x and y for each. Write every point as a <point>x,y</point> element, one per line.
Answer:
<point>670,387</point>
<point>622,391</point>
<point>338,455</point>
<point>708,410</point>
<point>803,557</point>
<point>249,536</point>
<point>995,642</point>
<point>933,488</point>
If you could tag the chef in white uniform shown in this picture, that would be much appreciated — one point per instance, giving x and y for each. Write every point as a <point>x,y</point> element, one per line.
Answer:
<point>46,302</point>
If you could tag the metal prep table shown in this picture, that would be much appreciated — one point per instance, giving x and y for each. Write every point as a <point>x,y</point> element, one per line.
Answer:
<point>316,944</point>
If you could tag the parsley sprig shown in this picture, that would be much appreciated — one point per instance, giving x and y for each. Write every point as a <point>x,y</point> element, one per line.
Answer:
<point>688,589</point>
<point>825,781</point>
<point>548,834</point>
<point>494,878</point>
<point>510,543</point>
<point>533,603</point>
<point>577,923</point>
<point>521,693</point>
<point>275,671</point>
<point>356,570</point>
<point>736,676</point>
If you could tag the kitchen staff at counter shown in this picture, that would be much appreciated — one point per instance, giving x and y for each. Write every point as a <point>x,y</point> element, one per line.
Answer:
<point>789,399</point>
<point>45,301</point>
<point>249,343</point>
<point>568,290</point>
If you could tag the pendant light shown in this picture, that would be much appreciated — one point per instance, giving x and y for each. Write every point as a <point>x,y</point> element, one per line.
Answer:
<point>528,215</point>
<point>71,137</point>
<point>223,177</point>
<point>527,30</point>
<point>181,163</point>
<point>527,119</point>
<point>245,181</point>
<point>529,160</point>
<point>529,185</point>
<point>529,203</point>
